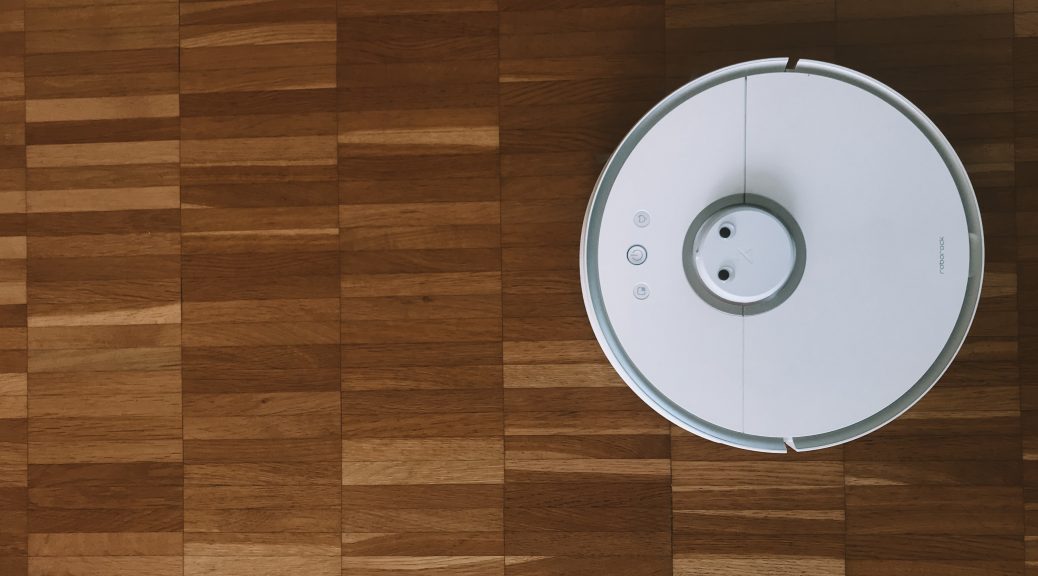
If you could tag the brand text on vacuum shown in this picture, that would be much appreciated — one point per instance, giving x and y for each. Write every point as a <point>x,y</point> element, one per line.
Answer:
<point>941,261</point>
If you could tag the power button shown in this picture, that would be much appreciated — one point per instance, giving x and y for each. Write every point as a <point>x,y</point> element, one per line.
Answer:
<point>641,218</point>
<point>636,254</point>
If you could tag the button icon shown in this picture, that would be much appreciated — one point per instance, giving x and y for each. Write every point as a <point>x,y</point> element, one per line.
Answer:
<point>641,290</point>
<point>636,254</point>
<point>641,218</point>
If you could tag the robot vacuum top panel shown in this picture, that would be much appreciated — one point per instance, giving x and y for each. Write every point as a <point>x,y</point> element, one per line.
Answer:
<point>782,255</point>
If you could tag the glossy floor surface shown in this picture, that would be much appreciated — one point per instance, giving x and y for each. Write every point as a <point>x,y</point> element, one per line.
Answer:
<point>290,287</point>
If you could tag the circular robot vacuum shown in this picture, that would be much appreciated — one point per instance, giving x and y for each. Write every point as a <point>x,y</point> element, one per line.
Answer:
<point>782,253</point>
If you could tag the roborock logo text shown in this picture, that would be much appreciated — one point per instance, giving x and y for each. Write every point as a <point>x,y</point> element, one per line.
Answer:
<point>941,260</point>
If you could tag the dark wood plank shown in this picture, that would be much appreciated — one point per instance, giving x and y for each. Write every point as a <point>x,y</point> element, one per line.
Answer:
<point>1025,124</point>
<point>587,472</point>
<point>260,274</point>
<point>420,231</point>
<point>14,544</point>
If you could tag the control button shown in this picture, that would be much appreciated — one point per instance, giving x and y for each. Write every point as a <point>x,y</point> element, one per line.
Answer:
<point>641,290</point>
<point>641,219</point>
<point>636,254</point>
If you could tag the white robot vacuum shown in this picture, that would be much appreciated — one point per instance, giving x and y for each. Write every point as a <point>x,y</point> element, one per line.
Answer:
<point>782,253</point>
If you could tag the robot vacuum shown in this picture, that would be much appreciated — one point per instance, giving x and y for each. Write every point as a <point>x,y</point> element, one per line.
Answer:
<point>781,254</point>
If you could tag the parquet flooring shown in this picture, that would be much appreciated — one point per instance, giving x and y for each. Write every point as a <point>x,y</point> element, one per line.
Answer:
<point>291,287</point>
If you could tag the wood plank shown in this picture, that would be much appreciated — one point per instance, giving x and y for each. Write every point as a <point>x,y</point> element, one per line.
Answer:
<point>587,469</point>
<point>14,410</point>
<point>422,413</point>
<point>259,268</point>
<point>104,347</point>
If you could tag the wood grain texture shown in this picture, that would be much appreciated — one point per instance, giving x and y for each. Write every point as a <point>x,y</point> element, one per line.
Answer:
<point>103,224</point>
<point>292,288</point>
<point>260,274</point>
<point>1025,123</point>
<point>582,456</point>
<point>420,228</point>
<point>14,544</point>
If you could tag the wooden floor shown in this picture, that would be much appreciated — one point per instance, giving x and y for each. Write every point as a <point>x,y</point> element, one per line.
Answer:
<point>290,287</point>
